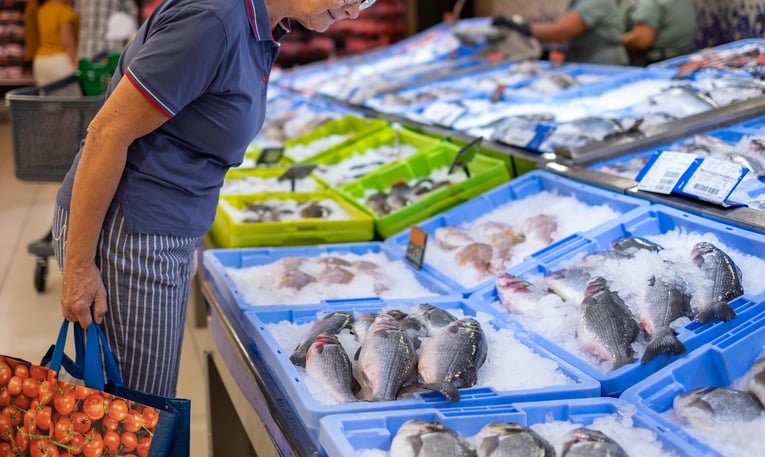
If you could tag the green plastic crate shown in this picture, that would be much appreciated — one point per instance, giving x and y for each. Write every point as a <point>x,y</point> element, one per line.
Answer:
<point>235,174</point>
<point>226,232</point>
<point>384,137</point>
<point>354,126</point>
<point>485,173</point>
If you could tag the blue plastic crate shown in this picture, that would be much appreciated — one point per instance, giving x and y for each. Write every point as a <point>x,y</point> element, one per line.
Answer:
<point>757,124</point>
<point>716,364</point>
<point>524,186</point>
<point>645,222</point>
<point>217,261</point>
<point>310,410</point>
<point>586,75</point>
<point>345,435</point>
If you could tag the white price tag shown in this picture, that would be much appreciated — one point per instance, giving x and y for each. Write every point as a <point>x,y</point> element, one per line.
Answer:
<point>665,172</point>
<point>443,113</point>
<point>517,137</point>
<point>714,180</point>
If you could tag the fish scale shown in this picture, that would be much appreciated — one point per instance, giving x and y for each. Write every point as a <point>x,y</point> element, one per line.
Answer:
<point>386,359</point>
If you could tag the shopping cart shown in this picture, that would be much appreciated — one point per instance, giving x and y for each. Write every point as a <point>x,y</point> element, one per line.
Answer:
<point>47,129</point>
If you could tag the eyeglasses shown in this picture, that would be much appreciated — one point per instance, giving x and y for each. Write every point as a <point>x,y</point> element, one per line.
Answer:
<point>363,4</point>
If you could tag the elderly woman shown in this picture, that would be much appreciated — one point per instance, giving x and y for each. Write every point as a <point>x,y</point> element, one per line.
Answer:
<point>188,96</point>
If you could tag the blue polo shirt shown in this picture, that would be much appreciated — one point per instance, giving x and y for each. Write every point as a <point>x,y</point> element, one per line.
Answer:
<point>205,64</point>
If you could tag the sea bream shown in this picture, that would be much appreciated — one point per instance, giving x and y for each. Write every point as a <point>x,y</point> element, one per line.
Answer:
<point>511,439</point>
<point>517,294</point>
<point>756,384</point>
<point>328,362</point>
<point>585,442</point>
<point>421,438</point>
<point>709,407</point>
<point>725,277</point>
<point>450,360</point>
<point>331,324</point>
<point>433,318</point>
<point>387,358</point>
<point>606,326</point>
<point>667,299</point>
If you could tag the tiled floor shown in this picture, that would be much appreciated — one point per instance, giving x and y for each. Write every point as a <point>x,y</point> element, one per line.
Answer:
<point>29,321</point>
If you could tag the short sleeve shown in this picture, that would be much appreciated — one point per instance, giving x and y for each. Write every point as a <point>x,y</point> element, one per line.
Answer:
<point>179,59</point>
<point>592,11</point>
<point>647,12</point>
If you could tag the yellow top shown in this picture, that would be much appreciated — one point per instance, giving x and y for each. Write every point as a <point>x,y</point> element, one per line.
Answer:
<point>50,17</point>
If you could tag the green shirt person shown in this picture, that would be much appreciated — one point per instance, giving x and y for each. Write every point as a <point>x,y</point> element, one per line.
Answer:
<point>661,29</point>
<point>592,28</point>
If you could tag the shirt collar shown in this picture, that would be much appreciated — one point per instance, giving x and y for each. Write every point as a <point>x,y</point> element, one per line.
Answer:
<point>258,17</point>
<point>282,28</point>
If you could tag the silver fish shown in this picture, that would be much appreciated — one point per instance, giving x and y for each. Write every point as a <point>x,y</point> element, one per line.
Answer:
<point>420,438</point>
<point>327,362</point>
<point>331,323</point>
<point>362,324</point>
<point>433,317</point>
<point>585,442</point>
<point>709,407</point>
<point>725,275</point>
<point>387,358</point>
<point>667,299</point>
<point>510,439</point>
<point>680,101</point>
<point>606,326</point>
<point>412,326</point>
<point>517,294</point>
<point>569,283</point>
<point>451,359</point>
<point>631,244</point>
<point>756,385</point>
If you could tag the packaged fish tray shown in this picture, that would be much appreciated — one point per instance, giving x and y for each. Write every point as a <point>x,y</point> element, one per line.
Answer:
<point>263,180</point>
<point>259,278</point>
<point>669,282</point>
<point>312,352</point>
<point>636,433</point>
<point>725,56</point>
<point>421,186</point>
<point>387,146</point>
<point>731,361</point>
<point>516,219</point>
<point>331,136</point>
<point>288,219</point>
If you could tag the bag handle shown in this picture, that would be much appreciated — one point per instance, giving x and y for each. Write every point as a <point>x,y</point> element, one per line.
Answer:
<point>58,349</point>
<point>89,355</point>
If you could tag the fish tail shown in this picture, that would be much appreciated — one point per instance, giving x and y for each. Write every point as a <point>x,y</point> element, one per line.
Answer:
<point>447,389</point>
<point>664,342</point>
<point>718,311</point>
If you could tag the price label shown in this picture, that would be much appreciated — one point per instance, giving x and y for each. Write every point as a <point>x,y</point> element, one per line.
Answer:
<point>465,156</point>
<point>296,172</point>
<point>415,250</point>
<point>270,156</point>
<point>443,113</point>
<point>714,180</point>
<point>665,172</point>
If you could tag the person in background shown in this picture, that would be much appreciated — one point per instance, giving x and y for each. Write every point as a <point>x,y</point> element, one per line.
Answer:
<point>56,56</point>
<point>659,30</point>
<point>95,16</point>
<point>592,28</point>
<point>187,98</point>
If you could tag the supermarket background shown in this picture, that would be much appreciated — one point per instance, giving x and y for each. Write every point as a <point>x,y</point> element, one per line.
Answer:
<point>231,353</point>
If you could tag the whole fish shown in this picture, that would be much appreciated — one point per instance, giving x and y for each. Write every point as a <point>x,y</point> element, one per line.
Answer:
<point>412,326</point>
<point>386,358</point>
<point>328,362</point>
<point>476,255</point>
<point>680,101</point>
<point>756,385</point>
<point>569,283</point>
<point>585,442</point>
<point>517,294</point>
<point>433,317</point>
<point>709,407</point>
<point>606,327</point>
<point>420,438</point>
<point>632,244</point>
<point>725,275</point>
<point>331,323</point>
<point>362,324</point>
<point>540,228</point>
<point>510,439</point>
<point>451,359</point>
<point>453,237</point>
<point>667,299</point>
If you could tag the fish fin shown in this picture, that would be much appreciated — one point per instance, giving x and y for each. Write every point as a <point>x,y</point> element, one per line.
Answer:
<point>663,343</point>
<point>356,355</point>
<point>355,386</point>
<point>448,390</point>
<point>718,311</point>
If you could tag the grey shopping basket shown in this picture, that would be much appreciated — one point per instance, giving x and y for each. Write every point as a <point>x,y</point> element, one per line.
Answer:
<point>47,130</point>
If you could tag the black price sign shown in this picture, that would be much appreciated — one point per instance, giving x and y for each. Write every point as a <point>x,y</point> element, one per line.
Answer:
<point>296,172</point>
<point>270,156</point>
<point>415,250</point>
<point>465,156</point>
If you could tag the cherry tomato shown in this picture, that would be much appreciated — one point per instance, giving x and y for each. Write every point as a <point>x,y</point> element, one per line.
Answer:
<point>42,448</point>
<point>143,447</point>
<point>133,422</point>
<point>82,392</point>
<point>110,424</point>
<point>76,444</point>
<point>22,441</point>
<point>112,442</point>
<point>63,431</point>
<point>6,428</point>
<point>95,406</point>
<point>118,409</point>
<point>129,441</point>
<point>5,450</point>
<point>38,372</point>
<point>43,417</point>
<point>94,445</point>
<point>14,414</point>
<point>5,396</point>
<point>5,373</point>
<point>81,422</point>
<point>14,385</point>
<point>63,401</point>
<point>151,416</point>
<point>22,371</point>
<point>30,421</point>
<point>22,402</point>
<point>46,392</point>
<point>30,387</point>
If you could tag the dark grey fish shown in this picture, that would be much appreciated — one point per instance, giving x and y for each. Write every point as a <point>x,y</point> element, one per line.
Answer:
<point>585,442</point>
<point>725,275</point>
<point>606,326</point>
<point>709,407</point>
<point>756,385</point>
<point>632,244</point>
<point>414,328</point>
<point>377,203</point>
<point>331,323</point>
<point>420,438</point>
<point>451,359</point>
<point>386,359</point>
<point>433,317</point>
<point>510,439</point>
<point>667,299</point>
<point>328,362</point>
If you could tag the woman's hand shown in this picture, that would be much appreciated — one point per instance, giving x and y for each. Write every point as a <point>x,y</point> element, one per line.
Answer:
<point>82,289</point>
